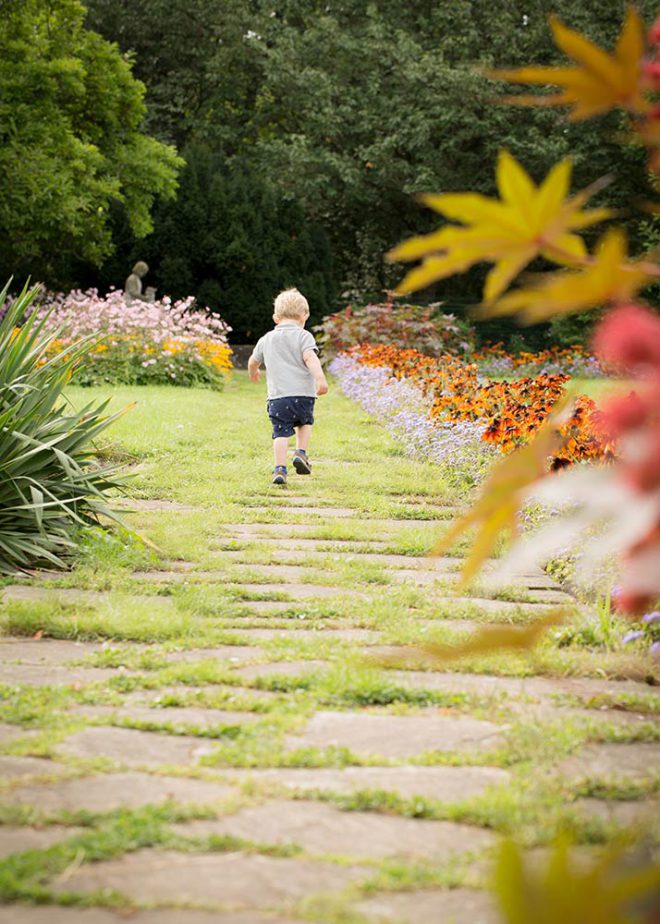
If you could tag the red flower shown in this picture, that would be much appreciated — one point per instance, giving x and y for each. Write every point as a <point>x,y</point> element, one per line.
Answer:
<point>654,33</point>
<point>629,337</point>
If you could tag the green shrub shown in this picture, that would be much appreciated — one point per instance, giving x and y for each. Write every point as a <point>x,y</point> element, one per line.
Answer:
<point>415,327</point>
<point>50,483</point>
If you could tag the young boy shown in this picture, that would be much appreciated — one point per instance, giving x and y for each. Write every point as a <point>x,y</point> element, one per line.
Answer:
<point>295,378</point>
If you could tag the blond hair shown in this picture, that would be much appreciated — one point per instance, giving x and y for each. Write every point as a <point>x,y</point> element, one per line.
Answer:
<point>290,304</point>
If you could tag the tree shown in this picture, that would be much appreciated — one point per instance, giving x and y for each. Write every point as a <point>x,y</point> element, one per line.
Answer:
<point>70,112</point>
<point>231,240</point>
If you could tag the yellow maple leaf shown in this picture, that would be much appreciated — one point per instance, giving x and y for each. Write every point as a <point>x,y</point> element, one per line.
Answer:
<point>606,278</point>
<point>485,641</point>
<point>496,510</point>
<point>527,221</point>
<point>600,82</point>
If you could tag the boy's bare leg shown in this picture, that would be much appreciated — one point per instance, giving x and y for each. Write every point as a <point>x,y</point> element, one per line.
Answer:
<point>302,436</point>
<point>280,449</point>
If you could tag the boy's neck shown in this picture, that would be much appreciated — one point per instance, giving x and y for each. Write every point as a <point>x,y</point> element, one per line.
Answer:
<point>290,321</point>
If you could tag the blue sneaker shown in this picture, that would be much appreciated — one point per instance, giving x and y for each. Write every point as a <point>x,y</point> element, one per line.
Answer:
<point>301,463</point>
<point>279,474</point>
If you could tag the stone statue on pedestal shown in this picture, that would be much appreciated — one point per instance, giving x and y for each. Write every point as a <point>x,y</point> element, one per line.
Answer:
<point>133,285</point>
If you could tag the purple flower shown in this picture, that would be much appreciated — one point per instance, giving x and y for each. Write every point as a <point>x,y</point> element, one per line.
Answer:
<point>632,636</point>
<point>655,649</point>
<point>651,618</point>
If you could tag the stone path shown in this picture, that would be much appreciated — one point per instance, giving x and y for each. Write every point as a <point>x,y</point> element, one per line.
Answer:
<point>274,774</point>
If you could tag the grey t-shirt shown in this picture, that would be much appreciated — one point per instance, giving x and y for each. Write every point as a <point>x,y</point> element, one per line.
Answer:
<point>281,350</point>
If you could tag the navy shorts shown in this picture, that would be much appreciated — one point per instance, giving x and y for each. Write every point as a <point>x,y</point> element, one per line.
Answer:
<point>287,413</point>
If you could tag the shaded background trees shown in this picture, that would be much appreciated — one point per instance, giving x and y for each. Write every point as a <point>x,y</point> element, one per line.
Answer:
<point>308,126</point>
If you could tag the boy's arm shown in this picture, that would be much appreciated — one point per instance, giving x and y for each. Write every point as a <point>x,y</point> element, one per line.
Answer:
<point>312,362</point>
<point>255,361</point>
<point>253,368</point>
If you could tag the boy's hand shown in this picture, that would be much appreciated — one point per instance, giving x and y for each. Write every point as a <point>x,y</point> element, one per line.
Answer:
<point>253,369</point>
<point>255,375</point>
<point>322,387</point>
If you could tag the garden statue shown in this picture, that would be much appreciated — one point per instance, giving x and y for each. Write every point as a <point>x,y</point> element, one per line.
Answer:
<point>133,285</point>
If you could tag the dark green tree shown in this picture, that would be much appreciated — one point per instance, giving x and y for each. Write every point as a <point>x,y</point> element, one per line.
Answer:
<point>70,141</point>
<point>231,240</point>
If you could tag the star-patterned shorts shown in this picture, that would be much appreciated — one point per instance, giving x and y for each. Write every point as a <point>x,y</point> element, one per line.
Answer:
<point>288,413</point>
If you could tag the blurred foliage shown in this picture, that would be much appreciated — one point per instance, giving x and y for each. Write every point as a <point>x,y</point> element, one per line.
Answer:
<point>615,888</point>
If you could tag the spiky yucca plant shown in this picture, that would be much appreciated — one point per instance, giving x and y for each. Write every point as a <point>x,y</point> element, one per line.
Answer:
<point>50,483</point>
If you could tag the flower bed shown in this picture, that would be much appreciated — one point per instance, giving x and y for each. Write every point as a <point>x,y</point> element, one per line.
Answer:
<point>421,327</point>
<point>144,343</point>
<point>405,411</point>
<point>505,414</point>
<point>494,360</point>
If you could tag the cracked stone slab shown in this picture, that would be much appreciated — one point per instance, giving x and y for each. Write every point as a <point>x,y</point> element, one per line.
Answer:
<point>176,716</point>
<point>397,736</point>
<point>16,840</point>
<point>46,651</point>
<point>12,767</point>
<point>56,914</point>
<point>231,879</point>
<point>322,829</point>
<point>446,784</point>
<point>107,792</point>
<point>136,748</point>
<point>455,906</point>
<point>612,761</point>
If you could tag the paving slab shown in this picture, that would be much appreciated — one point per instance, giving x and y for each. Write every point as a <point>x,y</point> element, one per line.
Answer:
<point>34,675</point>
<point>301,591</point>
<point>9,733</point>
<point>322,829</point>
<point>136,748</point>
<point>232,654</point>
<point>178,717</point>
<point>307,633</point>
<point>44,593</point>
<point>447,784</point>
<point>109,791</point>
<point>312,511</point>
<point>159,505</point>
<point>487,684</point>
<point>265,606</point>
<point>441,565</point>
<point>282,669</point>
<point>395,735</point>
<point>46,651</point>
<point>645,813</point>
<point>455,906</point>
<point>353,546</point>
<point>16,840</point>
<point>57,914</point>
<point>235,880</point>
<point>13,767</point>
<point>612,761</point>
